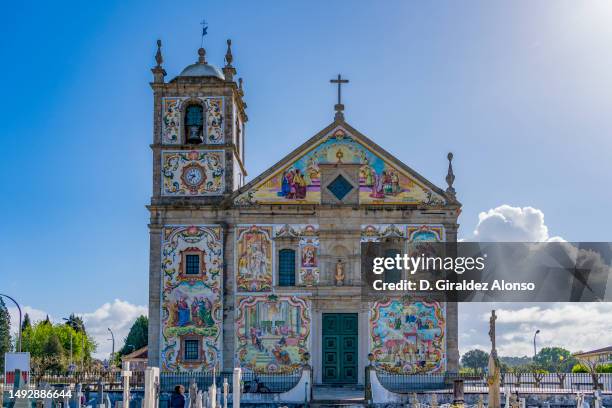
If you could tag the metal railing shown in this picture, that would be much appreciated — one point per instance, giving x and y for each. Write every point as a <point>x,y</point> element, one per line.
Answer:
<point>251,382</point>
<point>111,380</point>
<point>521,383</point>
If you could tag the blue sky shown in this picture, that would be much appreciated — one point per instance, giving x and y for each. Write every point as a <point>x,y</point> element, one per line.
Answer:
<point>521,92</point>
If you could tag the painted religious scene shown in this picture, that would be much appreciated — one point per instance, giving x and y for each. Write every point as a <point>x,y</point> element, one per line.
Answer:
<point>254,248</point>
<point>272,333</point>
<point>191,297</point>
<point>379,180</point>
<point>408,335</point>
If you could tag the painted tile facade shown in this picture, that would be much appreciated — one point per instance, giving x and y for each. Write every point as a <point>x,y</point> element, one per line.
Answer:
<point>192,305</point>
<point>256,255</point>
<point>408,335</point>
<point>193,173</point>
<point>379,181</point>
<point>307,251</point>
<point>272,332</point>
<point>414,233</point>
<point>254,258</point>
<point>172,119</point>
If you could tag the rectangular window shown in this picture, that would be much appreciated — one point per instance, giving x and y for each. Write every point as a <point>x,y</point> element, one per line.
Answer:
<point>192,266</point>
<point>192,349</point>
<point>286,267</point>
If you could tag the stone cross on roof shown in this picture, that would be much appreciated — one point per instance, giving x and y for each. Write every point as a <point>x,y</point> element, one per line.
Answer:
<point>339,107</point>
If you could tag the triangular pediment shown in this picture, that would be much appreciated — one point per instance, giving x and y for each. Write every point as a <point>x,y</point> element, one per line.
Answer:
<point>296,179</point>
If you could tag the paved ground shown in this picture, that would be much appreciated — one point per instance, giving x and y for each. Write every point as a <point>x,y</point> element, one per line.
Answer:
<point>344,394</point>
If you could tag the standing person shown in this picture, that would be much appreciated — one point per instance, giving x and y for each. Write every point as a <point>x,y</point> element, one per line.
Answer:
<point>177,400</point>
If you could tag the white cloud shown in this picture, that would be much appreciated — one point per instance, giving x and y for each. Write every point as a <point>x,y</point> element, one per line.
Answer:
<point>574,326</point>
<point>118,316</point>
<point>512,224</point>
<point>35,315</point>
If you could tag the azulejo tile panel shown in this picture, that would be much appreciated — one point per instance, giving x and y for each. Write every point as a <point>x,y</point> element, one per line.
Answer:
<point>272,333</point>
<point>380,181</point>
<point>173,113</point>
<point>192,304</point>
<point>193,173</point>
<point>407,335</point>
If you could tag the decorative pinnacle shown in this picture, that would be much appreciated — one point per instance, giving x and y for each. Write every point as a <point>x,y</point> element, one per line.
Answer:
<point>228,55</point>
<point>240,90</point>
<point>228,70</point>
<point>158,56</point>
<point>202,56</point>
<point>158,72</point>
<point>450,176</point>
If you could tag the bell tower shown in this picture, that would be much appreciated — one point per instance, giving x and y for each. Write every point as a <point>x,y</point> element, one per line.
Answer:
<point>198,162</point>
<point>199,130</point>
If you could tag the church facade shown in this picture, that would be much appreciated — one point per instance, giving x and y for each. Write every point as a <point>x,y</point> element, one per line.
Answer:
<point>267,275</point>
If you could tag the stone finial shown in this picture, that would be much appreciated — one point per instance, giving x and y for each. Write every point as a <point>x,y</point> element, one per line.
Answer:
<point>158,71</point>
<point>240,88</point>
<point>229,71</point>
<point>228,54</point>
<point>158,56</point>
<point>450,176</point>
<point>201,56</point>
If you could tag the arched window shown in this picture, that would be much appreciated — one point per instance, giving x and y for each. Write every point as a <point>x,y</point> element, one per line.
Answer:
<point>286,267</point>
<point>194,124</point>
<point>392,275</point>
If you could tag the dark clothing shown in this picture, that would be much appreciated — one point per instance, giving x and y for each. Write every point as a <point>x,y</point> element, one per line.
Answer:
<point>177,400</point>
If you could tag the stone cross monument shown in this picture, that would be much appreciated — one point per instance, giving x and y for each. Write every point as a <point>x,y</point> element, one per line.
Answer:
<point>494,374</point>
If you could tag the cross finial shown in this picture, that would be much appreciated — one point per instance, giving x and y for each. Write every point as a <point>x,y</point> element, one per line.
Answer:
<point>339,107</point>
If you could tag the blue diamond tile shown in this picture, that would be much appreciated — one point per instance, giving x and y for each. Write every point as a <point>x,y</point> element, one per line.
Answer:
<point>340,187</point>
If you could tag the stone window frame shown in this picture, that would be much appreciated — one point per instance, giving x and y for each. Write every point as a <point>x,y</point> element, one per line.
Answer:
<point>183,264</point>
<point>295,266</point>
<point>183,112</point>
<point>292,243</point>
<point>181,355</point>
<point>395,243</point>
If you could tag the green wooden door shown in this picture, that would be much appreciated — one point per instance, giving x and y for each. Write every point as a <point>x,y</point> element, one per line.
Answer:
<point>340,348</point>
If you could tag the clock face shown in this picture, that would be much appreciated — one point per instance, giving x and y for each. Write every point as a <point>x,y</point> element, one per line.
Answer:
<point>193,176</point>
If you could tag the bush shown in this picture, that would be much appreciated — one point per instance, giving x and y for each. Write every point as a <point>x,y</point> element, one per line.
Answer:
<point>579,368</point>
<point>604,368</point>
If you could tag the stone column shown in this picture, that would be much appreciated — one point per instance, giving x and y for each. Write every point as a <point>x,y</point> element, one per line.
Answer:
<point>452,315</point>
<point>151,387</point>
<point>228,333</point>
<point>126,374</point>
<point>236,391</point>
<point>153,350</point>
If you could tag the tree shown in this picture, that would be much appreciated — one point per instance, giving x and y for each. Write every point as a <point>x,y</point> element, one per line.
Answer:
<point>5,332</point>
<point>49,346</point>
<point>52,354</point>
<point>138,336</point>
<point>476,360</point>
<point>555,359</point>
<point>26,322</point>
<point>76,322</point>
